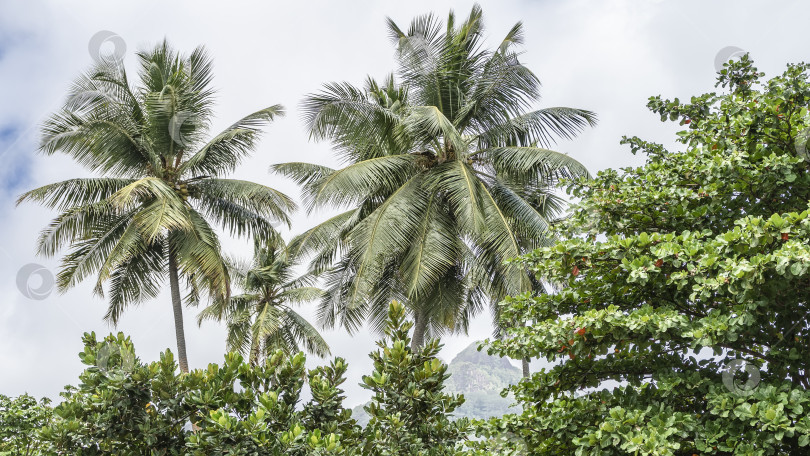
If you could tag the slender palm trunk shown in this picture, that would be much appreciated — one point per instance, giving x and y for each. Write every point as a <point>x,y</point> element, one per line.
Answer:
<point>177,306</point>
<point>419,329</point>
<point>254,353</point>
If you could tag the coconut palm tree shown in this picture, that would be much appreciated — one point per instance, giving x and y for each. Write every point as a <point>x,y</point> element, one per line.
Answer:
<point>448,175</point>
<point>161,181</point>
<point>261,321</point>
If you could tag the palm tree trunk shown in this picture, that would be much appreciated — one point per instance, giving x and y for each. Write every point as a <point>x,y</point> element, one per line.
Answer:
<point>419,329</point>
<point>177,306</point>
<point>526,371</point>
<point>254,353</point>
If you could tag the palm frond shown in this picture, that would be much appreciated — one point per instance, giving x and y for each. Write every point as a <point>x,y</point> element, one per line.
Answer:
<point>135,280</point>
<point>533,165</point>
<point>226,150</point>
<point>541,127</point>
<point>304,334</point>
<point>459,182</point>
<point>355,182</point>
<point>74,192</point>
<point>425,123</point>
<point>354,120</point>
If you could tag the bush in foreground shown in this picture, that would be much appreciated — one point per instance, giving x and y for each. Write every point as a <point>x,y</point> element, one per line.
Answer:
<point>123,406</point>
<point>689,288</point>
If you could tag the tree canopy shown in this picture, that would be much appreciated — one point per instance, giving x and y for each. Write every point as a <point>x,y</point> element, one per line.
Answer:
<point>448,175</point>
<point>123,406</point>
<point>163,183</point>
<point>682,326</point>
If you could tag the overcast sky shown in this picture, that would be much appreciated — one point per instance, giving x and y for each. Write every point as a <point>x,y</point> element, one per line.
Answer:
<point>607,56</point>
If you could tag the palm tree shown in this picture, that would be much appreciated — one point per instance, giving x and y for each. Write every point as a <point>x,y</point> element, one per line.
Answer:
<point>448,175</point>
<point>260,321</point>
<point>161,183</point>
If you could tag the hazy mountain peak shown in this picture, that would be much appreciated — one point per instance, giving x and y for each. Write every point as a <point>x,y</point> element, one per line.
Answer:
<point>481,358</point>
<point>480,378</point>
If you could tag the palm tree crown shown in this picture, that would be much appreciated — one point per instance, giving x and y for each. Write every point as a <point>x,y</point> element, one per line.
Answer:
<point>448,175</point>
<point>261,321</point>
<point>161,183</point>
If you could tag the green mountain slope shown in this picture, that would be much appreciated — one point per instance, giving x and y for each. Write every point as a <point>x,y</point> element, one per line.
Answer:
<point>480,378</point>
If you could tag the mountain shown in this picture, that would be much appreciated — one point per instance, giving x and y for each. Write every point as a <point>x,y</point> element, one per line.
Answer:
<point>480,378</point>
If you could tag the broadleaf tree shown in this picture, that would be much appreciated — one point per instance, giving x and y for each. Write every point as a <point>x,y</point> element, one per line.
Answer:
<point>123,406</point>
<point>682,327</point>
<point>21,418</point>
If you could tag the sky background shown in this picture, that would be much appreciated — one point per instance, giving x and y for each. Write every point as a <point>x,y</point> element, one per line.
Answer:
<point>607,56</point>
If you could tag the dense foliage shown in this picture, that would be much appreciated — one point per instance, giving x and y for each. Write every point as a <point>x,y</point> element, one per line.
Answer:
<point>20,418</point>
<point>447,176</point>
<point>125,407</point>
<point>409,411</point>
<point>677,325</point>
<point>685,281</point>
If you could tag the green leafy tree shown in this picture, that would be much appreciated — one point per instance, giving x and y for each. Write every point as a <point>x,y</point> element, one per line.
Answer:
<point>689,288</point>
<point>410,413</point>
<point>148,216</point>
<point>265,418</point>
<point>125,407</point>
<point>21,418</point>
<point>447,176</point>
<point>121,406</point>
<point>260,320</point>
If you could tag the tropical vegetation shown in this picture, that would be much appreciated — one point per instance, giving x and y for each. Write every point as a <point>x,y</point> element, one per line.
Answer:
<point>669,307</point>
<point>683,324</point>
<point>447,176</point>
<point>123,406</point>
<point>163,183</point>
<point>261,320</point>
<point>20,419</point>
